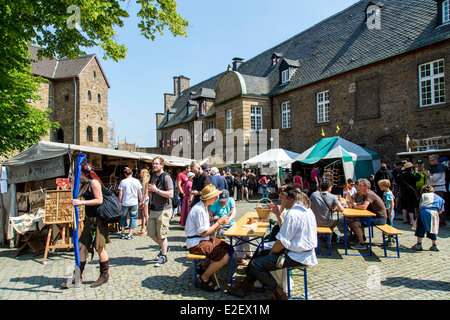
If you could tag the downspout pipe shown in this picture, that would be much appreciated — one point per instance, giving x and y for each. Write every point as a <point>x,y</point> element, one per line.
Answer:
<point>75,112</point>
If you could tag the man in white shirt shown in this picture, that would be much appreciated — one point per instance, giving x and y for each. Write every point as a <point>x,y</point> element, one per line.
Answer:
<point>296,241</point>
<point>130,198</point>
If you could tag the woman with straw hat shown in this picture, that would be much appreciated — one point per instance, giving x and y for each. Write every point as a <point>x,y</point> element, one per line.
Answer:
<point>198,231</point>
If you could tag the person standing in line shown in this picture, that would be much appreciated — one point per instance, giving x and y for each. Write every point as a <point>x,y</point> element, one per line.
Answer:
<point>264,186</point>
<point>185,206</point>
<point>201,180</point>
<point>251,182</point>
<point>436,179</point>
<point>144,177</point>
<point>181,181</point>
<point>161,192</point>
<point>130,198</point>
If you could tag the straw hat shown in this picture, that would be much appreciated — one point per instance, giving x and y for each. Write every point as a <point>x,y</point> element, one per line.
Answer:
<point>407,165</point>
<point>209,192</point>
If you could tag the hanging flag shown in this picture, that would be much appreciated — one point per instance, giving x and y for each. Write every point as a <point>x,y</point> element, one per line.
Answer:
<point>323,133</point>
<point>76,187</point>
<point>337,128</point>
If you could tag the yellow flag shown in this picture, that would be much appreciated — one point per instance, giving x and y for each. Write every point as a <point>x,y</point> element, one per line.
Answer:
<point>323,133</point>
<point>337,128</point>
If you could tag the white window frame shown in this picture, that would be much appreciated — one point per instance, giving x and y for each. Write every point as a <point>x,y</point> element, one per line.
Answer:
<point>323,107</point>
<point>256,118</point>
<point>446,11</point>
<point>285,76</point>
<point>285,115</point>
<point>229,120</point>
<point>432,83</point>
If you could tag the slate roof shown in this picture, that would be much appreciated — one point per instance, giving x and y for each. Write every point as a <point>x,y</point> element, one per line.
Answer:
<point>60,69</point>
<point>339,44</point>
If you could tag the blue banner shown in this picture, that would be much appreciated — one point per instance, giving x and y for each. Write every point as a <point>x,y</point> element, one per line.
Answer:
<point>76,188</point>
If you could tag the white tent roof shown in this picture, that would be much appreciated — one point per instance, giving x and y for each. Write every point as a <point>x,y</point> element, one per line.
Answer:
<point>272,155</point>
<point>47,150</point>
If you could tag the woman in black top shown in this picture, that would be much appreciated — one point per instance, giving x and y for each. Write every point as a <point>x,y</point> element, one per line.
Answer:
<point>95,232</point>
<point>407,181</point>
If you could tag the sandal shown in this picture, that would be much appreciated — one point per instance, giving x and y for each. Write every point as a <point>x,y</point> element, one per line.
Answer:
<point>208,285</point>
<point>242,263</point>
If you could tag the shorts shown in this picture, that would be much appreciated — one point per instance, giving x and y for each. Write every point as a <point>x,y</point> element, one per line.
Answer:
<point>214,249</point>
<point>102,234</point>
<point>373,221</point>
<point>158,223</point>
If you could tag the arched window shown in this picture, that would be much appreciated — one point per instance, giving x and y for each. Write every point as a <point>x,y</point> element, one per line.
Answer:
<point>100,135</point>
<point>89,95</point>
<point>89,133</point>
<point>60,136</point>
<point>99,98</point>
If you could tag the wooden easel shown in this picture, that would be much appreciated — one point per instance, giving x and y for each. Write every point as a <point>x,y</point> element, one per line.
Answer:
<point>59,211</point>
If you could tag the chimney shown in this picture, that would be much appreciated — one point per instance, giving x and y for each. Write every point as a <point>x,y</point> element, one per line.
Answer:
<point>237,63</point>
<point>180,84</point>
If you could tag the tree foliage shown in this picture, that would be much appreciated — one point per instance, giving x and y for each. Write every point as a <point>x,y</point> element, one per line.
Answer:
<point>61,28</point>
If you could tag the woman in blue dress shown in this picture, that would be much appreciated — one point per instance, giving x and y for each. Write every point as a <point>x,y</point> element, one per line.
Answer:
<point>431,205</point>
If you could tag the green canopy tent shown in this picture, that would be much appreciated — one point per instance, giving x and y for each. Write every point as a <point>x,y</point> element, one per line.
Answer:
<point>357,162</point>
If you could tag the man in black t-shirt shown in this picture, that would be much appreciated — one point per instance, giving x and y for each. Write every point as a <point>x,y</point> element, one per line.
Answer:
<point>201,180</point>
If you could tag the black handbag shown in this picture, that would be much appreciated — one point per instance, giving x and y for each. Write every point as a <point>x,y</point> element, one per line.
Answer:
<point>109,211</point>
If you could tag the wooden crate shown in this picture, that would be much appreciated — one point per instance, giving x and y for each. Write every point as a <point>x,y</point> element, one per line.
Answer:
<point>59,208</point>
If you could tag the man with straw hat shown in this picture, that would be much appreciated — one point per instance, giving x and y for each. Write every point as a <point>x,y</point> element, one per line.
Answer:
<point>198,231</point>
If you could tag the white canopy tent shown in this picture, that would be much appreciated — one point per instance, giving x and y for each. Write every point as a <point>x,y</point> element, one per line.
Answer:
<point>271,160</point>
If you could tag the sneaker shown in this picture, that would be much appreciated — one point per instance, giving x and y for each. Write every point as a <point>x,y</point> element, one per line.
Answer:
<point>417,247</point>
<point>161,261</point>
<point>434,248</point>
<point>359,246</point>
<point>123,236</point>
<point>160,254</point>
<point>129,237</point>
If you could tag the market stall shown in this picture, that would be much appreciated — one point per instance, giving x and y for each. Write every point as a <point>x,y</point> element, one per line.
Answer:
<point>338,159</point>
<point>27,177</point>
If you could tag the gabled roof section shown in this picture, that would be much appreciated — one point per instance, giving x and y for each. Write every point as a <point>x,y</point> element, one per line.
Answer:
<point>63,68</point>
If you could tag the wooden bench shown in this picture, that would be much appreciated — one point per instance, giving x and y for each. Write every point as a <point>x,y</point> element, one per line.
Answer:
<point>196,259</point>
<point>324,231</point>
<point>387,231</point>
<point>305,281</point>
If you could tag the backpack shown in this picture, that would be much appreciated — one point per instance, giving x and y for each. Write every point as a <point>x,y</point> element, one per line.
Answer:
<point>109,211</point>
<point>238,183</point>
<point>175,200</point>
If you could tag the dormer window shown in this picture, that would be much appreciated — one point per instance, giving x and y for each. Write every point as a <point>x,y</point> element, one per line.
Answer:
<point>276,58</point>
<point>287,70</point>
<point>285,76</point>
<point>446,11</point>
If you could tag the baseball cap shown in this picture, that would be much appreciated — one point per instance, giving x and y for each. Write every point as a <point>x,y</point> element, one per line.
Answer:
<point>214,170</point>
<point>205,166</point>
<point>223,197</point>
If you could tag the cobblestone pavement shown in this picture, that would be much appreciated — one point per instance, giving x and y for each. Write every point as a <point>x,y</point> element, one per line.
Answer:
<point>133,276</point>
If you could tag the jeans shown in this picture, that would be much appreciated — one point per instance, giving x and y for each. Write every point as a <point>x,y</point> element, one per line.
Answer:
<point>133,211</point>
<point>263,263</point>
<point>265,192</point>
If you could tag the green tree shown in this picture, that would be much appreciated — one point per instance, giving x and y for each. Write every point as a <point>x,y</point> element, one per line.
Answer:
<point>61,28</point>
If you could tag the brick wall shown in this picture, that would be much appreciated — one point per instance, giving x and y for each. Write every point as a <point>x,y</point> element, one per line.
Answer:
<point>376,107</point>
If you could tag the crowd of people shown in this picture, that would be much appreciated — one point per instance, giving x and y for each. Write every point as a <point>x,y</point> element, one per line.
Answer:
<point>204,199</point>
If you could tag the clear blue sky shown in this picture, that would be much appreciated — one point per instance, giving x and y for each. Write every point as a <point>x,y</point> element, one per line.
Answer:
<point>218,32</point>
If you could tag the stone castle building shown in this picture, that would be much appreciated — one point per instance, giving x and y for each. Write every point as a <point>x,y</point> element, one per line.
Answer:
<point>77,94</point>
<point>373,74</point>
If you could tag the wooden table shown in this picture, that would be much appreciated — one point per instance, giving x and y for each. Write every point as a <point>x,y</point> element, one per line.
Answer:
<point>254,235</point>
<point>356,215</point>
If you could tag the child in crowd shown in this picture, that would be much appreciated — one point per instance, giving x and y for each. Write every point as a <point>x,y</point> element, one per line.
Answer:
<point>388,199</point>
